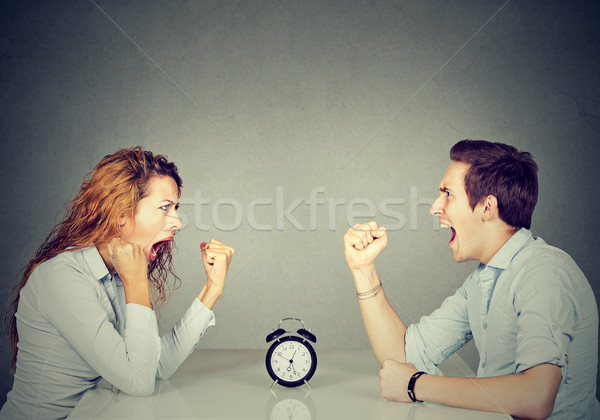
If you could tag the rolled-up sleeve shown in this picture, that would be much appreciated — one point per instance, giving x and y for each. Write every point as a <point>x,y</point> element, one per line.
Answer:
<point>129,362</point>
<point>437,336</point>
<point>183,338</point>
<point>546,316</point>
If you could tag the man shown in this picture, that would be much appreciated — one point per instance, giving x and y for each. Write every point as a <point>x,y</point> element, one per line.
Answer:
<point>528,306</point>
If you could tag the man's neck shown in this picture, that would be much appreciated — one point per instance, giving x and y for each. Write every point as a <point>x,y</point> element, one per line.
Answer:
<point>496,240</point>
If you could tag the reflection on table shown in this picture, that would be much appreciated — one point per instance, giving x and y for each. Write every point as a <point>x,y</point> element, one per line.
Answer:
<point>234,384</point>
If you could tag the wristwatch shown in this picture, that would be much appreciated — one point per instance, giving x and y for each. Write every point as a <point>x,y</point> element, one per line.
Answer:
<point>411,386</point>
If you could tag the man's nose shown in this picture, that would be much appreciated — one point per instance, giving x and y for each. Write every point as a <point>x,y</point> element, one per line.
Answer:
<point>436,208</point>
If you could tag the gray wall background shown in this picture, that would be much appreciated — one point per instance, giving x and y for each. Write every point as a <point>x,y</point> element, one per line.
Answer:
<point>273,99</point>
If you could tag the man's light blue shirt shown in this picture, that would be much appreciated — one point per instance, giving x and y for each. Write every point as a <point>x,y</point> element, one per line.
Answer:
<point>75,328</point>
<point>529,305</point>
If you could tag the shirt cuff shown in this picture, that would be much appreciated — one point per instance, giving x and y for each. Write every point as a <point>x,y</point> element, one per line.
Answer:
<point>206,317</point>
<point>548,348</point>
<point>416,352</point>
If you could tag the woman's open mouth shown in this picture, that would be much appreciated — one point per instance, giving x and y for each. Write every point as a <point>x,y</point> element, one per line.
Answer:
<point>156,247</point>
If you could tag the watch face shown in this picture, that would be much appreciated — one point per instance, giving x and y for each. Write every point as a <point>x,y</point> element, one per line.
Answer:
<point>291,361</point>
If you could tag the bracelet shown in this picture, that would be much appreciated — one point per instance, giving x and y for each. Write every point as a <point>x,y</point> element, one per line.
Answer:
<point>370,293</point>
<point>411,386</point>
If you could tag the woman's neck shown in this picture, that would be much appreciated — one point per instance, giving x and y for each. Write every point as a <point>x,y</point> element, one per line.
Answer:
<point>103,250</point>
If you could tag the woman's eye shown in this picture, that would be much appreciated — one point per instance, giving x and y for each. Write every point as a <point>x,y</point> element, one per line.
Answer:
<point>165,207</point>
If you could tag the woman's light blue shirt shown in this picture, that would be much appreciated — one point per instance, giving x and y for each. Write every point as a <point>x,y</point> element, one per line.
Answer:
<point>75,327</point>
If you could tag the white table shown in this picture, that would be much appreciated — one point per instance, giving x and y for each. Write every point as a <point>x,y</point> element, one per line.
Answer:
<point>234,384</point>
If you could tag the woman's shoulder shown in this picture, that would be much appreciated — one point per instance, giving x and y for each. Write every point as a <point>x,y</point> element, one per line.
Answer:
<point>72,263</point>
<point>62,277</point>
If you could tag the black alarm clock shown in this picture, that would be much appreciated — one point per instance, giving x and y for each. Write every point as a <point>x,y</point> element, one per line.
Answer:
<point>291,360</point>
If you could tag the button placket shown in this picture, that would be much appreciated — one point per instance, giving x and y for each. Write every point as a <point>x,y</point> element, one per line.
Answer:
<point>487,281</point>
<point>111,290</point>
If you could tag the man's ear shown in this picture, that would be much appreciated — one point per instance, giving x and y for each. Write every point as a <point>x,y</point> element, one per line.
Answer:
<point>490,209</point>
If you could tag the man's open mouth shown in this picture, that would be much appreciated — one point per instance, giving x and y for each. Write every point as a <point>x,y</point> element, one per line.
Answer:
<point>156,247</point>
<point>453,236</point>
<point>453,233</point>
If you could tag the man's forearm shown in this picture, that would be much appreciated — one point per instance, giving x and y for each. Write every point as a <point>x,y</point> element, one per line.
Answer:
<point>384,327</point>
<point>527,395</point>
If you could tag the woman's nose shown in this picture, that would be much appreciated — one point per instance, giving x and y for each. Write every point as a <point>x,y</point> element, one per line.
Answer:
<point>174,221</point>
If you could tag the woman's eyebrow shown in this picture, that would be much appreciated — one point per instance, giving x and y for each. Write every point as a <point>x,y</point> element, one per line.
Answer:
<point>170,201</point>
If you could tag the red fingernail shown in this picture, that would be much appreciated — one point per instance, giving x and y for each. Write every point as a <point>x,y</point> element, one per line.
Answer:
<point>204,245</point>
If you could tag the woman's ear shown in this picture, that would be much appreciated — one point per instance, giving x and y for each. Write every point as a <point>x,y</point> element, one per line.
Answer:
<point>124,219</point>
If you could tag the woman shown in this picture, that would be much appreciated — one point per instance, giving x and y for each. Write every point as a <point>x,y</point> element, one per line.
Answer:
<point>83,309</point>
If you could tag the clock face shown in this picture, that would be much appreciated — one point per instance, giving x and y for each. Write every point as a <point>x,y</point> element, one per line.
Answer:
<point>291,361</point>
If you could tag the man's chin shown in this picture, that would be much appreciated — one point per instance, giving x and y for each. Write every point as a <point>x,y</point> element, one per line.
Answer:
<point>460,259</point>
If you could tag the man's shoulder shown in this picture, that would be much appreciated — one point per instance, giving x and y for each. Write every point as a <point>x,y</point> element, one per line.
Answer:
<point>539,264</point>
<point>538,252</point>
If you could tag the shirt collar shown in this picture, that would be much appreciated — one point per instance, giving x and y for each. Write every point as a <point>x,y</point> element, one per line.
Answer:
<point>504,256</point>
<point>95,262</point>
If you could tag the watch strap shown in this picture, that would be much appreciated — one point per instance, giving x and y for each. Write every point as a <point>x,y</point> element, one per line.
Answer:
<point>411,386</point>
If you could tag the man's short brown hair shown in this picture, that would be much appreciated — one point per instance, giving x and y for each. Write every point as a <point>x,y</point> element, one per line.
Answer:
<point>502,171</point>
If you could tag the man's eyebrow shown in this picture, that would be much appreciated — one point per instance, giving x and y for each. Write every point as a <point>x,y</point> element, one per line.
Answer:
<point>445,189</point>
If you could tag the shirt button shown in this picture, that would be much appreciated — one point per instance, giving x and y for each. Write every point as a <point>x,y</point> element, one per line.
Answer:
<point>554,327</point>
<point>484,365</point>
<point>485,325</point>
